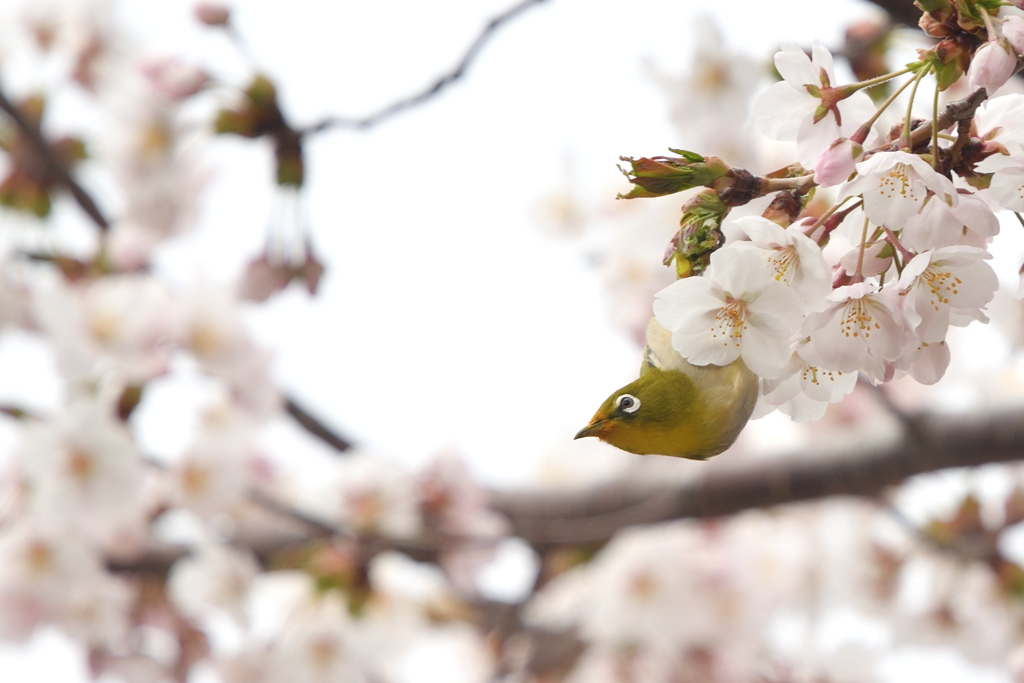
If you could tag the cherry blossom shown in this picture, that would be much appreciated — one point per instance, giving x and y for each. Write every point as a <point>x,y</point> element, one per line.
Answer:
<point>1006,188</point>
<point>997,120</point>
<point>941,282</point>
<point>804,390</point>
<point>894,186</point>
<point>117,328</point>
<point>214,577</point>
<point>794,109</point>
<point>938,224</point>
<point>792,258</point>
<point>858,321</point>
<point>736,310</point>
<point>48,577</point>
<point>84,472</point>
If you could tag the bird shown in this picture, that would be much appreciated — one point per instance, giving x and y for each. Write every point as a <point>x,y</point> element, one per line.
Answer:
<point>676,408</point>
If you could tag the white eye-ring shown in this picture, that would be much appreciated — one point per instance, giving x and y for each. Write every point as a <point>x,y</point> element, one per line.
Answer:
<point>627,403</point>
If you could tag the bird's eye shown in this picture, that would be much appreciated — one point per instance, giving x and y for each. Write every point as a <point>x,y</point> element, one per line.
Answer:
<point>627,403</point>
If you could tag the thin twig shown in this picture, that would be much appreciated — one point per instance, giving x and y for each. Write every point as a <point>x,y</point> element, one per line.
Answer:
<point>431,90</point>
<point>315,427</point>
<point>45,155</point>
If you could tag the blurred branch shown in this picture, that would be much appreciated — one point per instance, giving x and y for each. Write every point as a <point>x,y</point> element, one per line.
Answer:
<point>315,427</point>
<point>595,515</point>
<point>47,159</point>
<point>901,11</point>
<point>435,88</point>
<point>937,442</point>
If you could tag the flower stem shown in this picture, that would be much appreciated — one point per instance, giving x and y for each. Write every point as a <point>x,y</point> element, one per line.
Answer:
<point>860,85</point>
<point>859,275</point>
<point>992,35</point>
<point>935,128</point>
<point>906,124</point>
<point>885,105</point>
<point>904,252</point>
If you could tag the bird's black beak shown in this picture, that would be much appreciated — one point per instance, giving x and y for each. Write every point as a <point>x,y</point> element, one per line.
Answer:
<point>591,429</point>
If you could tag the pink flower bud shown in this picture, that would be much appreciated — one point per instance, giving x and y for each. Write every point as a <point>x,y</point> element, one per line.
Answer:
<point>212,13</point>
<point>173,79</point>
<point>992,66</point>
<point>837,163</point>
<point>1013,31</point>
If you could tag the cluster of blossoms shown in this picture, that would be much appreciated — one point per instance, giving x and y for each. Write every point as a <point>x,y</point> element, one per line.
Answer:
<point>871,284</point>
<point>98,485</point>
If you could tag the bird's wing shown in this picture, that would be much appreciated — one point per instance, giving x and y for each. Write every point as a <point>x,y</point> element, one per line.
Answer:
<point>659,352</point>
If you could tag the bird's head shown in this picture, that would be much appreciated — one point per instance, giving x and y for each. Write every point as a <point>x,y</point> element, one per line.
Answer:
<point>659,413</point>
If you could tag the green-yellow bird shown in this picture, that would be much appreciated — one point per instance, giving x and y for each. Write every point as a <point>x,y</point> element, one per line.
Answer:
<point>676,408</point>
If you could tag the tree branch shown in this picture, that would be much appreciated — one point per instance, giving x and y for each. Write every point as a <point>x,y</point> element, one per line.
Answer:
<point>432,90</point>
<point>315,427</point>
<point>46,157</point>
<point>937,442</point>
<point>593,516</point>
<point>901,11</point>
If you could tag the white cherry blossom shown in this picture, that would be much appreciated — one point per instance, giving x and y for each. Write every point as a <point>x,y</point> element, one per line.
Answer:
<point>894,186</point>
<point>1006,187</point>
<point>925,362</point>
<point>116,327</point>
<point>790,111</point>
<point>945,281</point>
<point>736,310</point>
<point>793,259</point>
<point>998,121</point>
<point>938,224</point>
<point>214,577</point>
<point>85,473</point>
<point>51,577</point>
<point>804,390</point>
<point>857,322</point>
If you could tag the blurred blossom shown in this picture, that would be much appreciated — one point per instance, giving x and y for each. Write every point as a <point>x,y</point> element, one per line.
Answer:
<point>376,497</point>
<point>214,577</point>
<point>48,577</point>
<point>172,78</point>
<point>215,473</point>
<point>709,104</point>
<point>318,644</point>
<point>209,325</point>
<point>84,473</point>
<point>116,328</point>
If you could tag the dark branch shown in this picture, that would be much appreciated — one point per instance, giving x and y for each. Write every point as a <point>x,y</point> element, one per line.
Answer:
<point>45,155</point>
<point>315,427</point>
<point>593,516</point>
<point>435,88</point>
<point>937,442</point>
<point>901,11</point>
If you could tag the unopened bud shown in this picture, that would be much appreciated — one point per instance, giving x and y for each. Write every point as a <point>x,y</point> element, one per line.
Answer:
<point>660,176</point>
<point>991,66</point>
<point>699,234</point>
<point>212,13</point>
<point>838,162</point>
